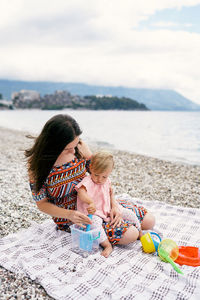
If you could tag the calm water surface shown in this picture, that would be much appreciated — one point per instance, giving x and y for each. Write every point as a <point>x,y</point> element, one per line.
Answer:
<point>172,136</point>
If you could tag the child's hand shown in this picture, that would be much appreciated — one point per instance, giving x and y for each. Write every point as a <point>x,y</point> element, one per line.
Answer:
<point>91,208</point>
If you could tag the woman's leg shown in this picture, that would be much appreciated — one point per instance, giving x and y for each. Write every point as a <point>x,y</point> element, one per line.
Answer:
<point>148,221</point>
<point>127,233</point>
<point>130,236</point>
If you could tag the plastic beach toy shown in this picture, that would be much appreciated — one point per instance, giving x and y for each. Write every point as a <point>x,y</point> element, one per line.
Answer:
<point>84,240</point>
<point>188,256</point>
<point>168,252</point>
<point>88,226</point>
<point>149,244</point>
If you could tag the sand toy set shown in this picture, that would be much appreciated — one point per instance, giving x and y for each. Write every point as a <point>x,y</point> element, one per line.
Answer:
<point>169,251</point>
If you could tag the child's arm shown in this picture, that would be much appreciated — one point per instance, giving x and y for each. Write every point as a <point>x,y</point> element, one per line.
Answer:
<point>83,196</point>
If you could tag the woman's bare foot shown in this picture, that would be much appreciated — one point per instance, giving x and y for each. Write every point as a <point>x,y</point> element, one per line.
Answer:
<point>107,248</point>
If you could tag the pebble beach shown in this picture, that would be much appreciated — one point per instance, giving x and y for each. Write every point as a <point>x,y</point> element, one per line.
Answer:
<point>137,175</point>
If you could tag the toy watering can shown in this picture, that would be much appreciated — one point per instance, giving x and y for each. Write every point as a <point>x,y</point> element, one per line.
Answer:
<point>149,244</point>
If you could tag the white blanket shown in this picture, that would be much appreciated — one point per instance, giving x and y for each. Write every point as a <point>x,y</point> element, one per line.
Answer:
<point>44,254</point>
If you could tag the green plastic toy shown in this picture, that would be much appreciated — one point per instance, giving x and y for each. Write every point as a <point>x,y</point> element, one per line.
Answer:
<point>168,251</point>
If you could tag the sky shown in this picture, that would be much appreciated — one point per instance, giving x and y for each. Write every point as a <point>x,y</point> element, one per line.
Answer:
<point>130,43</point>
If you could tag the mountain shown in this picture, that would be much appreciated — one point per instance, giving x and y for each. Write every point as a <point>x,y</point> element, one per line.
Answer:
<point>154,99</point>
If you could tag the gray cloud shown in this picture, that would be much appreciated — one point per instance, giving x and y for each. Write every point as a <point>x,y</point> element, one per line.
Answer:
<point>89,42</point>
<point>70,27</point>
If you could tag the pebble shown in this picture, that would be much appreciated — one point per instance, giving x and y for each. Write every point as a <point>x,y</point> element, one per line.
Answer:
<point>138,175</point>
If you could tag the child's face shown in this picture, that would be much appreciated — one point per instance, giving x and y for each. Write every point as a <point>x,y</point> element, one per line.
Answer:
<point>100,178</point>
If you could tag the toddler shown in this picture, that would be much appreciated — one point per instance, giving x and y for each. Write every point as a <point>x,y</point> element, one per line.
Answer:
<point>95,196</point>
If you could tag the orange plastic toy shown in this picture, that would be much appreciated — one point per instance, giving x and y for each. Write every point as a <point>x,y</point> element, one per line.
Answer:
<point>189,256</point>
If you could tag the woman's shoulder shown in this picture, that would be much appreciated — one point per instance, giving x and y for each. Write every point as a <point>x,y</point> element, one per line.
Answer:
<point>71,166</point>
<point>72,163</point>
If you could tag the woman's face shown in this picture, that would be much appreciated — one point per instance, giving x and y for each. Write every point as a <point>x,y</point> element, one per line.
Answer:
<point>70,148</point>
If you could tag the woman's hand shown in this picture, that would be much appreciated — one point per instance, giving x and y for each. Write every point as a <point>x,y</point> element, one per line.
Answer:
<point>84,150</point>
<point>116,216</point>
<point>78,218</point>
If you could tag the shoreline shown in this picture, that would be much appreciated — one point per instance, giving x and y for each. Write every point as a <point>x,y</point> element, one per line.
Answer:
<point>111,147</point>
<point>139,176</point>
<point>177,142</point>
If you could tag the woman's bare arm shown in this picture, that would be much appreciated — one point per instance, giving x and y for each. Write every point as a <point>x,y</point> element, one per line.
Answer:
<point>73,215</point>
<point>84,150</point>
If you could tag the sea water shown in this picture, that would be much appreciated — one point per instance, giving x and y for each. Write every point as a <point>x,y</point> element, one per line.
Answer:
<point>173,136</point>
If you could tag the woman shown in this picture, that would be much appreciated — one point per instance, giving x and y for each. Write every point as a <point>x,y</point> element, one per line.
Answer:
<point>57,162</point>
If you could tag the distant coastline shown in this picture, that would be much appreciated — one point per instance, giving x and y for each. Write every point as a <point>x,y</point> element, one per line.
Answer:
<point>154,99</point>
<point>27,99</point>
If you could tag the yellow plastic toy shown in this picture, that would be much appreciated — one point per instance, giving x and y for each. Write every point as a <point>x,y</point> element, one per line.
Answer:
<point>149,244</point>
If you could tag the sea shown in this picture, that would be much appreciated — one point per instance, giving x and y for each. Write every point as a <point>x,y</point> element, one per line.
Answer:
<point>172,136</point>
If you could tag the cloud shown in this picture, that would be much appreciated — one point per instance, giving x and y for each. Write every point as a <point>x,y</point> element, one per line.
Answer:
<point>170,25</point>
<point>98,42</point>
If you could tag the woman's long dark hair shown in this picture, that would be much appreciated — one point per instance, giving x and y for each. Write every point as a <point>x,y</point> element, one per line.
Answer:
<point>58,132</point>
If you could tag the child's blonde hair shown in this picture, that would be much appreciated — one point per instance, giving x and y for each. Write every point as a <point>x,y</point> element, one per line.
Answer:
<point>101,161</point>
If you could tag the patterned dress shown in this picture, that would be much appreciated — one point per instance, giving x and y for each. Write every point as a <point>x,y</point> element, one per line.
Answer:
<point>59,189</point>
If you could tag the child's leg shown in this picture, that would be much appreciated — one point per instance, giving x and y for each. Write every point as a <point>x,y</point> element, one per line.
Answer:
<point>107,248</point>
<point>103,240</point>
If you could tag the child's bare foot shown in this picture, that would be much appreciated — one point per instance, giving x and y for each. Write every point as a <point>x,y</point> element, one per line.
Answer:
<point>106,251</point>
<point>107,248</point>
